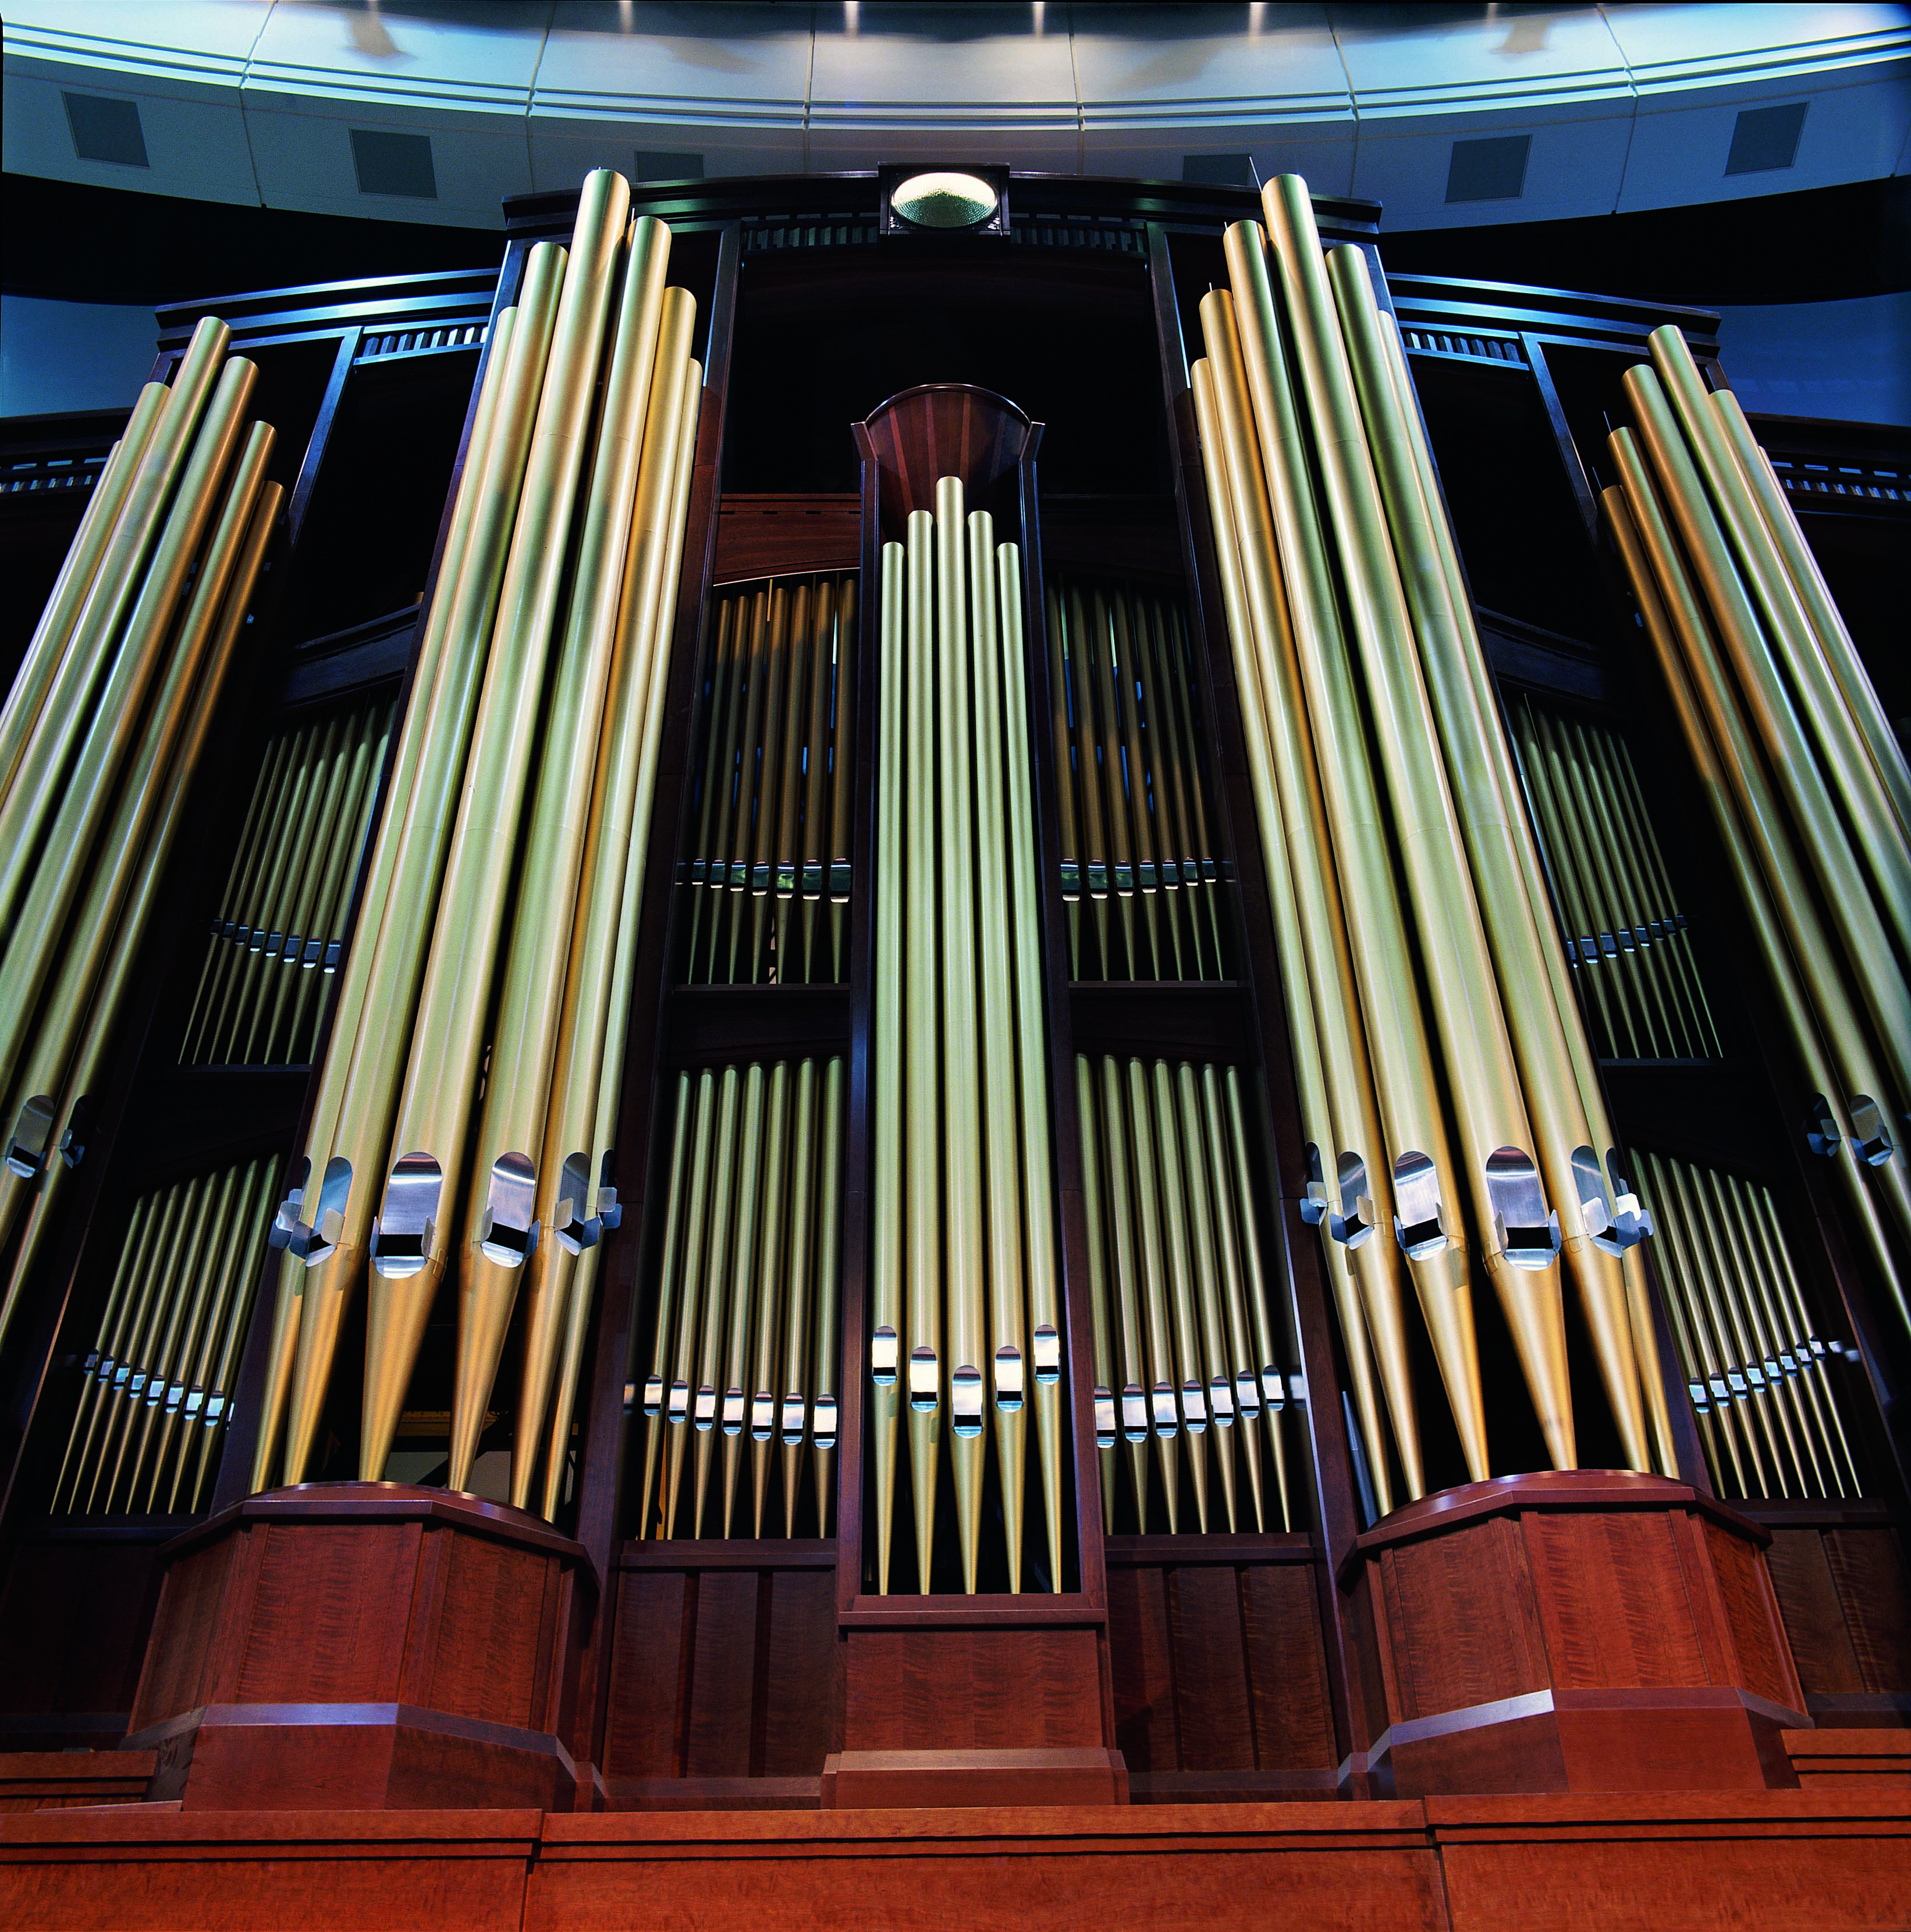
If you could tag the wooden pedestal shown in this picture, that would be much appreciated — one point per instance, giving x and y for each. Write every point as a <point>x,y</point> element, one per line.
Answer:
<point>1577,1631</point>
<point>362,1644</point>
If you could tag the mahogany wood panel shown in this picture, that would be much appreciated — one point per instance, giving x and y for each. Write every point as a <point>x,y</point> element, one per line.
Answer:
<point>74,1615</point>
<point>866,1780</point>
<point>1210,1679</point>
<point>1845,1596</point>
<point>773,536</point>
<point>721,1673</point>
<point>1006,1689</point>
<point>361,1643</point>
<point>1287,1668</point>
<point>1872,1758</point>
<point>1582,1631</point>
<point>54,1780</point>
<point>945,429</point>
<point>1141,1657</point>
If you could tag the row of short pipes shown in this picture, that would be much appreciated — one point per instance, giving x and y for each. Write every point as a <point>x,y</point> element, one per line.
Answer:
<point>1806,783</point>
<point>101,738</point>
<point>772,813</point>
<point>277,934</point>
<point>465,1115</point>
<point>1345,609</point>
<point>1131,787</point>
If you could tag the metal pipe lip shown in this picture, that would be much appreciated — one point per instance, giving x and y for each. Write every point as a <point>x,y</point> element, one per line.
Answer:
<point>823,1423</point>
<point>401,1236</point>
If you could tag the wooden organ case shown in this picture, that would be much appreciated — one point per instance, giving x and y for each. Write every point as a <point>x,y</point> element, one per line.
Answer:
<point>784,1600</point>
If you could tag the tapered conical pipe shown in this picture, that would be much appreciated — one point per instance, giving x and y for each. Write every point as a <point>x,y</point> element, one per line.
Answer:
<point>1553,1061</point>
<point>1823,718</point>
<point>888,1052</point>
<point>39,885</point>
<point>95,1039</point>
<point>504,1221</point>
<point>1353,1160</point>
<point>88,554</point>
<point>126,578</point>
<point>1007,1345</point>
<point>1279,848</point>
<point>1791,946</point>
<point>966,1262</point>
<point>1866,920</point>
<point>1513,1223</point>
<point>417,1217</point>
<point>1043,1262</point>
<point>326,1221</point>
<point>922,1338</point>
<point>1842,662</point>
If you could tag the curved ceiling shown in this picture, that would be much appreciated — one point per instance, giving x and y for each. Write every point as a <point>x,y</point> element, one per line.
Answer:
<point>1445,115</point>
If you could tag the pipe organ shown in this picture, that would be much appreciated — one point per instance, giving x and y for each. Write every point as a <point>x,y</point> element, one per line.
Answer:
<point>926,1108</point>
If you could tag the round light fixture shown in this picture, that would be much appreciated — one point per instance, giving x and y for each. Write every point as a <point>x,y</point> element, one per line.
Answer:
<point>943,200</point>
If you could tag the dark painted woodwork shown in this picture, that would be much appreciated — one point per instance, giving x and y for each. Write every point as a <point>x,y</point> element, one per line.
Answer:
<point>61,1780</point>
<point>363,1644</point>
<point>716,1026</point>
<point>768,536</point>
<point>1844,1591</point>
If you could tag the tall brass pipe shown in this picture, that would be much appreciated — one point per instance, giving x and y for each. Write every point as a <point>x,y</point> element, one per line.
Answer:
<point>97,1372</point>
<point>890,1202</point>
<point>1279,848</point>
<point>417,1218</point>
<point>1799,954</point>
<point>1574,1144</point>
<point>1134,1384</point>
<point>774,1266</point>
<point>676,1356</point>
<point>708,1313</point>
<point>327,1219</point>
<point>1151,1256</point>
<point>1108,1380</point>
<point>88,553</point>
<point>1355,1152</point>
<point>1845,668</point>
<point>1024,885</point>
<point>1006,1346</point>
<point>1867,922</point>
<point>1822,722</point>
<point>130,573</point>
<point>826,1348</point>
<point>93,1041</point>
<point>508,1191</point>
<point>41,878</point>
<point>789,1416</point>
<point>762,1130</point>
<point>922,1338</point>
<point>1232,1209</point>
<point>1204,1254</point>
<point>670,1287</point>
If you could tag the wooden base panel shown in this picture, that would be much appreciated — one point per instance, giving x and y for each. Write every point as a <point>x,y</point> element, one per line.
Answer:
<point>859,1781</point>
<point>56,1780</point>
<point>1867,1759</point>
<point>1793,1861</point>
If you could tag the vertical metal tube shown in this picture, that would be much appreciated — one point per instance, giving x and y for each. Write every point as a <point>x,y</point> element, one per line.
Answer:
<point>1249,1398</point>
<point>791,1418</point>
<point>675,1361</point>
<point>772,1285</point>
<point>670,1276</point>
<point>1106,1380</point>
<point>826,1351</point>
<point>1161,1379</point>
<point>1006,1339</point>
<point>726,1209</point>
<point>97,1372</point>
<point>842,773</point>
<point>1204,1254</point>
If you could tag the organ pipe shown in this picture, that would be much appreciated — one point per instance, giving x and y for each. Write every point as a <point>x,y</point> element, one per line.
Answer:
<point>746,1330</point>
<point>1335,554</point>
<point>1179,1302</point>
<point>770,779</point>
<point>155,1393</point>
<point>499,915</point>
<point>1126,757</point>
<point>1830,1001</point>
<point>965,1318</point>
<point>127,670</point>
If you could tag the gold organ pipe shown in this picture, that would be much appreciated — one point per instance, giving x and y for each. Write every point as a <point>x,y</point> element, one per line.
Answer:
<point>1857,914</point>
<point>922,1337</point>
<point>827,1348</point>
<point>1183,1289</point>
<point>131,581</point>
<point>417,1217</point>
<point>788,1417</point>
<point>774,1265</point>
<point>1205,1257</point>
<point>41,878</point>
<point>1007,1345</point>
<point>676,1355</point>
<point>329,1212</point>
<point>90,553</point>
<point>690,1121</point>
<point>1135,1393</point>
<point>1799,954</point>
<point>1280,851</point>
<point>92,1031</point>
<point>842,771</point>
<point>1557,1079</point>
<point>215,1412</point>
<point>1822,719</point>
<point>97,1372</point>
<point>1248,1396</point>
<point>1107,1381</point>
<point>964,1229</point>
<point>708,1311</point>
<point>1846,669</point>
<point>761,1131</point>
<point>891,1206</point>
<point>1024,885</point>
<point>507,1190</point>
<point>722,678</point>
<point>1068,836</point>
<point>1351,1163</point>
<point>1152,1254</point>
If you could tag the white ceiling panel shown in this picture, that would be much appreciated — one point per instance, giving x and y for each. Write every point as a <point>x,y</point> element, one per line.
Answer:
<point>1573,167</point>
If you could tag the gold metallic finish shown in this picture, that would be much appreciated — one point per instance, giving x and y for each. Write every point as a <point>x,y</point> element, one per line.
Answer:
<point>1108,1384</point>
<point>888,1052</point>
<point>751,1225</point>
<point>162,498</point>
<point>1799,956</point>
<point>705,1396</point>
<point>1846,669</point>
<point>1204,1254</point>
<point>669,1277</point>
<point>826,1348</point>
<point>1859,914</point>
<point>1134,1390</point>
<point>98,1369</point>
<point>1161,1383</point>
<point>350,1134</point>
<point>677,1398</point>
<point>794,1381</point>
<point>1781,651</point>
<point>772,1287</point>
